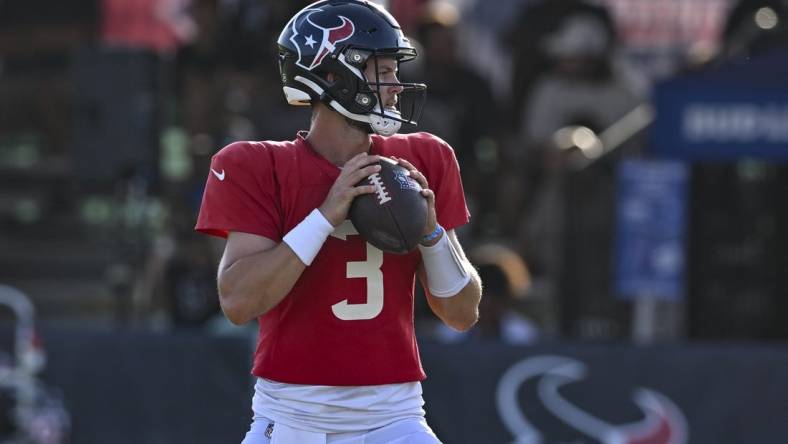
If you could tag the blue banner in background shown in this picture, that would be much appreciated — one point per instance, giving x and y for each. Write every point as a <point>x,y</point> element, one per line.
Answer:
<point>738,110</point>
<point>650,229</point>
<point>126,387</point>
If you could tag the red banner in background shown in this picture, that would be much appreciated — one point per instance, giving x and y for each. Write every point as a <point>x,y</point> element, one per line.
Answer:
<point>158,25</point>
<point>646,23</point>
<point>658,37</point>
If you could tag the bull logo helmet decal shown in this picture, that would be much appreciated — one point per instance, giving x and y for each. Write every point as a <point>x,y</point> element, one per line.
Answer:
<point>662,423</point>
<point>326,37</point>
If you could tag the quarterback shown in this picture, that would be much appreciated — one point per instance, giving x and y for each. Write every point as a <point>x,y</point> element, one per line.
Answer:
<point>336,358</point>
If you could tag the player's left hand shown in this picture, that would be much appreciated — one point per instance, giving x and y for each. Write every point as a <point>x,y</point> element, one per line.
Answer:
<point>432,219</point>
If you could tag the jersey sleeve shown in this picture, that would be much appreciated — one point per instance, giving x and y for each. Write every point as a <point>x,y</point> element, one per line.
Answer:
<point>241,193</point>
<point>443,174</point>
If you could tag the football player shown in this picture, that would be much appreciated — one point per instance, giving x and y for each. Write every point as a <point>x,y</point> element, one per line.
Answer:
<point>336,359</point>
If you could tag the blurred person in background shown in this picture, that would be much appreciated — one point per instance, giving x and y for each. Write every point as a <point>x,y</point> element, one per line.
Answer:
<point>461,108</point>
<point>337,359</point>
<point>223,78</point>
<point>529,56</point>
<point>249,95</point>
<point>585,87</point>
<point>502,316</point>
<point>562,217</point>
<point>532,63</point>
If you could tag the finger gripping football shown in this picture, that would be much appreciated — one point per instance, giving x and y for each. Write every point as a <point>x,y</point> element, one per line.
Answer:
<point>394,216</point>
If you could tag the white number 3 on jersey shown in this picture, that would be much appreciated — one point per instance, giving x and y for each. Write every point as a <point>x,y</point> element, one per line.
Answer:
<point>368,269</point>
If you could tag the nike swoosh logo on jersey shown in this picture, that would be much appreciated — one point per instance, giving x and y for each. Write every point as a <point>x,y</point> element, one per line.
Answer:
<point>218,175</point>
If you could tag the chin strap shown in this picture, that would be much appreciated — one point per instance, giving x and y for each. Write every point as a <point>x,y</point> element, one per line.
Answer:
<point>383,125</point>
<point>377,125</point>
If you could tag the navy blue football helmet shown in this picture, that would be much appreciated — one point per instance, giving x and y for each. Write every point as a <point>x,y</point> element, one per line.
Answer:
<point>340,37</point>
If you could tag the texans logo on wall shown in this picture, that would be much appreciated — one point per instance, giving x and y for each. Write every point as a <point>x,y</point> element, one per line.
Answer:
<point>536,394</point>
<point>314,46</point>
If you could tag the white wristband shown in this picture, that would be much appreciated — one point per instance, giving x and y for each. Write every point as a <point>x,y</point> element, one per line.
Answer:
<point>306,238</point>
<point>446,275</point>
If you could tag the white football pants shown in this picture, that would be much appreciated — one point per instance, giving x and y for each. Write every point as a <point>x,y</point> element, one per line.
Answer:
<point>406,431</point>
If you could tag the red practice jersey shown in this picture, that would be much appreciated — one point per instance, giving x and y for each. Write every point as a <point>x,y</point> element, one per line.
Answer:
<point>348,320</point>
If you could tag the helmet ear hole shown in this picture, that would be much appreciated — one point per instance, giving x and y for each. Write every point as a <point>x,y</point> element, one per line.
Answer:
<point>357,58</point>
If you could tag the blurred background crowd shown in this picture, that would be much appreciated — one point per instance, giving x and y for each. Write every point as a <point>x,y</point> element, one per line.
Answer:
<point>623,162</point>
<point>111,109</point>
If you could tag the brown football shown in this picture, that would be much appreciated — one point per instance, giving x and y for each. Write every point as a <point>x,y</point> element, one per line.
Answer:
<point>394,216</point>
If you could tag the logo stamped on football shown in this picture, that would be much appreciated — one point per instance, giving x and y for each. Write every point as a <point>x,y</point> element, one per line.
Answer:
<point>405,181</point>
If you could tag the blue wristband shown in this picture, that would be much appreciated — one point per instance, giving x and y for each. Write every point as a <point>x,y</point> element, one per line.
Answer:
<point>435,233</point>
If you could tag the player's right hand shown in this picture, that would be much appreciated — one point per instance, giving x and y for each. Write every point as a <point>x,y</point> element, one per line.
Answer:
<point>344,190</point>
